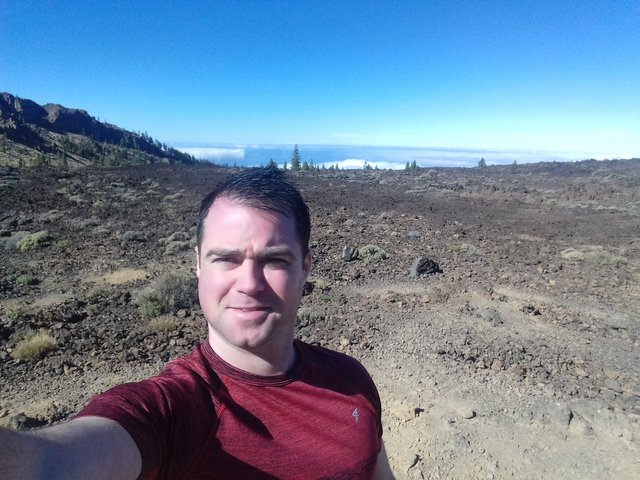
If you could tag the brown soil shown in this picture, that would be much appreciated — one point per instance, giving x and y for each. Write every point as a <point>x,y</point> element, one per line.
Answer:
<point>520,360</point>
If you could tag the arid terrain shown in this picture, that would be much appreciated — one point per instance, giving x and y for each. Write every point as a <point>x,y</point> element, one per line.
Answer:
<point>519,360</point>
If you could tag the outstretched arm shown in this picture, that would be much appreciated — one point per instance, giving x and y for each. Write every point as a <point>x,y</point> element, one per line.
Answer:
<point>383,470</point>
<point>85,448</point>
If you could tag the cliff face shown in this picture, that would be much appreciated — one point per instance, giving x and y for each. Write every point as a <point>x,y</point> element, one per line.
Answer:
<point>52,129</point>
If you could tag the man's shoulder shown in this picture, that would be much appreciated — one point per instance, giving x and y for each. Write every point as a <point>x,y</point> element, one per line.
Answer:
<point>321,362</point>
<point>316,353</point>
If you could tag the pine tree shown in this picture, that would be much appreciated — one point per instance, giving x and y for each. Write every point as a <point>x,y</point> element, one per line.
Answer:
<point>272,164</point>
<point>482,163</point>
<point>514,167</point>
<point>295,159</point>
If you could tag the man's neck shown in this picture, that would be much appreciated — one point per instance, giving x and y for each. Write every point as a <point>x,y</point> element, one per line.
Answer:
<point>264,362</point>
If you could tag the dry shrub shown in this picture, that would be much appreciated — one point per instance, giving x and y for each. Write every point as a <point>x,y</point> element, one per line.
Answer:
<point>603,257</point>
<point>34,346</point>
<point>321,284</point>
<point>175,247</point>
<point>594,257</point>
<point>168,294</point>
<point>97,294</point>
<point>175,237</point>
<point>172,197</point>
<point>163,324</point>
<point>572,255</point>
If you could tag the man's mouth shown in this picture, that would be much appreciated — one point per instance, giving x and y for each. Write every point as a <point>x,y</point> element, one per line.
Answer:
<point>258,308</point>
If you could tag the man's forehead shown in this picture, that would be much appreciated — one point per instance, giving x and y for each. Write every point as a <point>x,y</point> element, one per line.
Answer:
<point>225,206</point>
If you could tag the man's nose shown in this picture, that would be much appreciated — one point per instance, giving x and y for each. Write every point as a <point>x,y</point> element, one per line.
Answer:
<point>251,277</point>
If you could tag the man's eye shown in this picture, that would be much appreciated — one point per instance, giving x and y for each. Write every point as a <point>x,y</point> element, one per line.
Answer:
<point>225,261</point>
<point>277,262</point>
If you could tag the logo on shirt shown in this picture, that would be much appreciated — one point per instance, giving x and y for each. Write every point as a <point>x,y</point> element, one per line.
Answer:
<point>355,415</point>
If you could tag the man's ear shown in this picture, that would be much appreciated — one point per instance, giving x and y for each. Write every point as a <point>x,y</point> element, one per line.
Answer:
<point>197,262</point>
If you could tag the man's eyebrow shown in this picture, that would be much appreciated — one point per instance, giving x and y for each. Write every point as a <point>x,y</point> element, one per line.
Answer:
<point>222,252</point>
<point>265,253</point>
<point>276,252</point>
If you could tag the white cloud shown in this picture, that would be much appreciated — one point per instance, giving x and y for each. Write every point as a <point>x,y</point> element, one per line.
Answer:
<point>216,154</point>
<point>358,164</point>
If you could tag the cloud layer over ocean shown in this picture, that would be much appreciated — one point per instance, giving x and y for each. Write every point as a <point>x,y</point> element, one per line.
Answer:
<point>355,157</point>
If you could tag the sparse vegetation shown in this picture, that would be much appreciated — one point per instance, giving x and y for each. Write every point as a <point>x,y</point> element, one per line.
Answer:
<point>163,324</point>
<point>34,346</point>
<point>172,197</point>
<point>306,316</point>
<point>11,243</point>
<point>594,257</point>
<point>16,314</point>
<point>371,254</point>
<point>61,244</point>
<point>97,294</point>
<point>34,241</point>
<point>177,246</point>
<point>133,236</point>
<point>168,294</point>
<point>321,284</point>
<point>603,257</point>
<point>177,242</point>
<point>26,279</point>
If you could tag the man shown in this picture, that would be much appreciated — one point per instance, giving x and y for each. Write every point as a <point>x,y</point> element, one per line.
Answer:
<point>249,403</point>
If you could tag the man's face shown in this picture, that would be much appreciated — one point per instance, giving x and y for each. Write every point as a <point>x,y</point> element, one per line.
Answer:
<point>251,273</point>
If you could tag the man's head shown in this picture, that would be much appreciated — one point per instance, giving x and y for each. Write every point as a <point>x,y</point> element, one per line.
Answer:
<point>252,261</point>
<point>262,189</point>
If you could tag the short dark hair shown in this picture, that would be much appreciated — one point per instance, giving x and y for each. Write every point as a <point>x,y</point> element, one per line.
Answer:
<point>264,189</point>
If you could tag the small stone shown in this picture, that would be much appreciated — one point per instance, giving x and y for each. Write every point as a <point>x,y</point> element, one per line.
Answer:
<point>466,413</point>
<point>423,265</point>
<point>496,366</point>
<point>349,253</point>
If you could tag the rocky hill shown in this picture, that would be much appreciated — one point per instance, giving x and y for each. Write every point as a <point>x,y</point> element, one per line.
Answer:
<point>32,134</point>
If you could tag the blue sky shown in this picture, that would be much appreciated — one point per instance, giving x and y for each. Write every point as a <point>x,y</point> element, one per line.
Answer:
<point>557,76</point>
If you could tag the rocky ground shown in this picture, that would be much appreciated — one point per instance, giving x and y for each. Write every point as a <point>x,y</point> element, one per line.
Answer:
<point>520,359</point>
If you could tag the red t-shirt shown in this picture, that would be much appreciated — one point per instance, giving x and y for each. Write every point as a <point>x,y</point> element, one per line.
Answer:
<point>201,418</point>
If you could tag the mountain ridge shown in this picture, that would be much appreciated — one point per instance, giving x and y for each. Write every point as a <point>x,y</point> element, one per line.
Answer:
<point>51,134</point>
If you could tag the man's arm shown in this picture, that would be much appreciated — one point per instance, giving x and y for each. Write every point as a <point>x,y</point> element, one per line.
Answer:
<point>85,448</point>
<point>383,470</point>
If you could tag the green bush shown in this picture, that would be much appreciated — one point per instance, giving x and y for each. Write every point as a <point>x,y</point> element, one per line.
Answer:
<point>26,279</point>
<point>371,254</point>
<point>572,255</point>
<point>34,241</point>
